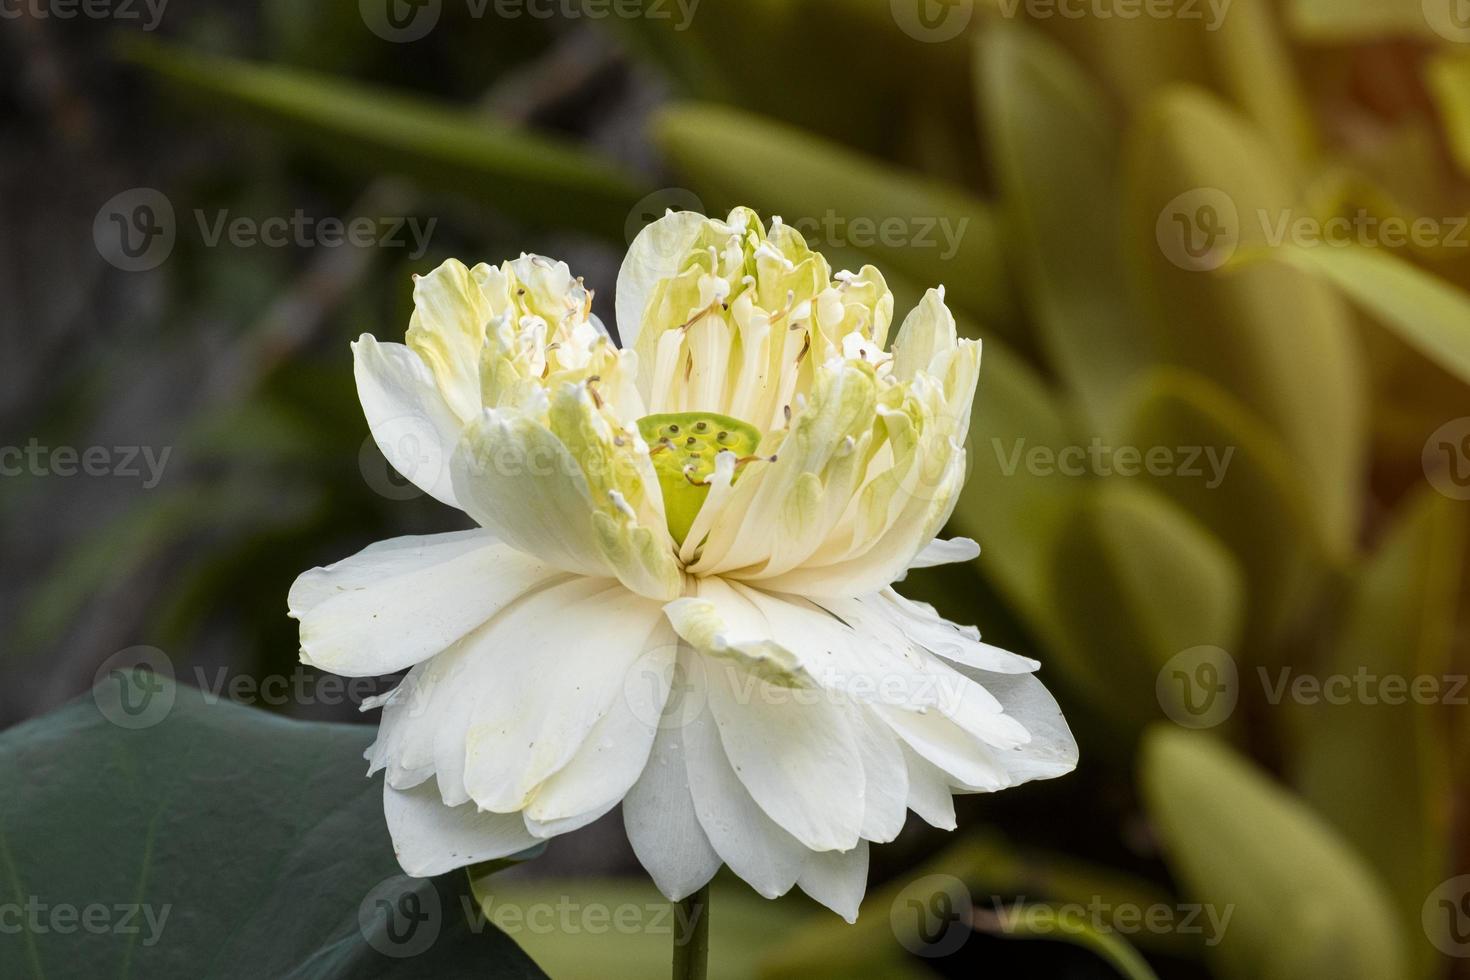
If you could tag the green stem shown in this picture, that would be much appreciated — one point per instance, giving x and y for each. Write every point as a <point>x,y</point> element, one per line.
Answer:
<point>691,938</point>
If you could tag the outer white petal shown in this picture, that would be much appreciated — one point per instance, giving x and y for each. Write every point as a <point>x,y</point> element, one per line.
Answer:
<point>553,666</point>
<point>946,552</point>
<point>750,842</point>
<point>658,813</point>
<point>407,415</point>
<point>616,750</point>
<point>398,602</point>
<point>923,626</point>
<point>431,838</point>
<point>837,879</point>
<point>1052,750</point>
<point>885,778</point>
<point>793,745</point>
<point>929,792</point>
<point>655,254</point>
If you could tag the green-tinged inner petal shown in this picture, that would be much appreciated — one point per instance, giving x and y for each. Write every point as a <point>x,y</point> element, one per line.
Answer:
<point>683,446</point>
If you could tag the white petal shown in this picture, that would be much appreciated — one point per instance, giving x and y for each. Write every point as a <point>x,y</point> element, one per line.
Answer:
<point>1052,751</point>
<point>431,838</point>
<point>553,666</point>
<point>837,879</point>
<point>750,842</point>
<point>616,750</point>
<point>929,792</point>
<point>942,552</point>
<point>795,751</point>
<point>960,755</point>
<point>398,602</point>
<point>659,816</point>
<point>655,254</point>
<point>409,419</point>
<point>885,778</point>
<point>922,625</point>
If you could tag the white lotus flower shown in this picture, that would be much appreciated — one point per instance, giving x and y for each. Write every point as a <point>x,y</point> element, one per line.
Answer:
<point>679,596</point>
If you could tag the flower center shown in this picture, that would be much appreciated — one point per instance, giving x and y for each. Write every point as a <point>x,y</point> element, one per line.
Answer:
<point>684,447</point>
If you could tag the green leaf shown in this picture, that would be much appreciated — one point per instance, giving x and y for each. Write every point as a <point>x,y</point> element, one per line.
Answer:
<point>244,845</point>
<point>1448,78</point>
<point>1277,339</point>
<point>1138,581</point>
<point>1345,21</point>
<point>1380,770</point>
<point>532,177</point>
<point>940,234</point>
<point>1237,480</point>
<point>1301,902</point>
<point>1042,921</point>
<point>1055,151</point>
<point>985,873</point>
<point>1428,313</point>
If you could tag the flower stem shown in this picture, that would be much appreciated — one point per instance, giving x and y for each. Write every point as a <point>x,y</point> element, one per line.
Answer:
<point>691,941</point>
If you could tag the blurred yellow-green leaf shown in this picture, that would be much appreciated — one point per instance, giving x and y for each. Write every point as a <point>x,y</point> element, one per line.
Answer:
<point>1301,903</point>
<point>1373,752</point>
<point>1237,479</point>
<point>1137,582</point>
<point>1201,180</point>
<point>1430,314</point>
<point>1055,150</point>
